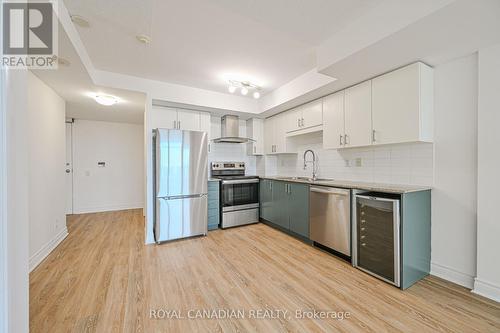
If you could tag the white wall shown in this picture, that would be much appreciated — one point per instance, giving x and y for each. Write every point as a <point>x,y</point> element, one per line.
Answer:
<point>454,193</point>
<point>15,251</point>
<point>46,132</point>
<point>118,185</point>
<point>487,282</point>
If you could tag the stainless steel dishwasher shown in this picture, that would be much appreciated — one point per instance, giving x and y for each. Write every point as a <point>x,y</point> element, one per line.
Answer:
<point>330,218</point>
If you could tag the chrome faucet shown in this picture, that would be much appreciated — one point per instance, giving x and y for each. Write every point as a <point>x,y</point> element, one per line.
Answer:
<point>313,162</point>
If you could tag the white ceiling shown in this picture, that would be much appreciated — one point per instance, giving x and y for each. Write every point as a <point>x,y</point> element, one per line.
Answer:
<point>74,85</point>
<point>199,42</point>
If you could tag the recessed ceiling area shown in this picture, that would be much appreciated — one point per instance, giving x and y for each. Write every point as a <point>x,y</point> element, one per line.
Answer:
<point>202,43</point>
<point>72,83</point>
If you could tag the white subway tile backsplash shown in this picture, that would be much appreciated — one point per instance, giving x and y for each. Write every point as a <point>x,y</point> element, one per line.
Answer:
<point>410,163</point>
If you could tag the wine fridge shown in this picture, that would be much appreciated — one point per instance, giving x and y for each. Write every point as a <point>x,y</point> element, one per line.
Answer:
<point>376,235</point>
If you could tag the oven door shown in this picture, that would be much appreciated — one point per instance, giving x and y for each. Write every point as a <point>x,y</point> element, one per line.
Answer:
<point>239,194</point>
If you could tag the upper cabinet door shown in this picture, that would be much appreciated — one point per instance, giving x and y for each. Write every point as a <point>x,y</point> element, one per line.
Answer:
<point>280,133</point>
<point>333,121</point>
<point>163,117</point>
<point>312,114</point>
<point>402,105</point>
<point>205,123</point>
<point>269,135</point>
<point>292,119</point>
<point>358,115</point>
<point>188,120</point>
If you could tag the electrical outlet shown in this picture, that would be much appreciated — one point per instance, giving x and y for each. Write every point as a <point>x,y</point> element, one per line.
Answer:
<point>358,162</point>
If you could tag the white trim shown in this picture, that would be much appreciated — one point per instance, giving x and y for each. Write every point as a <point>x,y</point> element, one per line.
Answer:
<point>486,289</point>
<point>41,254</point>
<point>3,206</point>
<point>99,209</point>
<point>452,275</point>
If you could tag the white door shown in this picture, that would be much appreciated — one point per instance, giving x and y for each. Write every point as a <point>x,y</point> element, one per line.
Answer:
<point>396,106</point>
<point>358,115</point>
<point>292,119</point>
<point>312,114</point>
<point>333,121</point>
<point>269,135</point>
<point>69,168</point>
<point>188,120</point>
<point>280,142</point>
<point>164,117</point>
<point>258,135</point>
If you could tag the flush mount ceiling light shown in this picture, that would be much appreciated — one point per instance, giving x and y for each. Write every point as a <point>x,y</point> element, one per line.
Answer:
<point>80,21</point>
<point>244,87</point>
<point>107,100</point>
<point>143,39</point>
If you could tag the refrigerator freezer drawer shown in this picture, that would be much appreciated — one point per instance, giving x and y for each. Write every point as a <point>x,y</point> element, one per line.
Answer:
<point>180,218</point>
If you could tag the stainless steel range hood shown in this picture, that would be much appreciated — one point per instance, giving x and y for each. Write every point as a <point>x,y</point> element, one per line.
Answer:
<point>230,131</point>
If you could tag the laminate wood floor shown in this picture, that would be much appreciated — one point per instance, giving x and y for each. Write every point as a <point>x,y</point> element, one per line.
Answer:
<point>102,278</point>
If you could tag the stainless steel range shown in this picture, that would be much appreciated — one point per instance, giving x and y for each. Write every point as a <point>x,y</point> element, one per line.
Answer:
<point>239,194</point>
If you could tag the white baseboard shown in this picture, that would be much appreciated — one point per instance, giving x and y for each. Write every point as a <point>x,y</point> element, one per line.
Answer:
<point>486,289</point>
<point>107,208</point>
<point>452,275</point>
<point>41,254</point>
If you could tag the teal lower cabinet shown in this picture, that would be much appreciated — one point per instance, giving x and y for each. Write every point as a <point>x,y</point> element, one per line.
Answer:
<point>266,199</point>
<point>213,205</point>
<point>280,205</point>
<point>415,237</point>
<point>298,209</point>
<point>285,205</point>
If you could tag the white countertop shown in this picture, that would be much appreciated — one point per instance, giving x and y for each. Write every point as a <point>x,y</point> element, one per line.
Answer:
<point>380,187</point>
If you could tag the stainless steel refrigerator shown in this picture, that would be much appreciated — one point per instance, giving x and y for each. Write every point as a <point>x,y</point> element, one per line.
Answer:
<point>180,163</point>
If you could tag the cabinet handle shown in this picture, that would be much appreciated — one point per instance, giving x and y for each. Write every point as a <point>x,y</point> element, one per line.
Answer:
<point>298,122</point>
<point>175,124</point>
<point>345,139</point>
<point>254,149</point>
<point>373,136</point>
<point>179,124</point>
<point>340,141</point>
<point>302,122</point>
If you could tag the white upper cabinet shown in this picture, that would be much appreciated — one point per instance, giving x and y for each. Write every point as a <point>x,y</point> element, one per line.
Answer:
<point>171,118</point>
<point>358,115</point>
<point>293,119</point>
<point>188,120</point>
<point>163,117</point>
<point>269,135</point>
<point>305,118</point>
<point>402,103</point>
<point>275,139</point>
<point>255,131</point>
<point>312,114</point>
<point>333,121</point>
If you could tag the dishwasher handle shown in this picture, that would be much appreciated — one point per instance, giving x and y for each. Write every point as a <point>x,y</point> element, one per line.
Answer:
<point>330,190</point>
